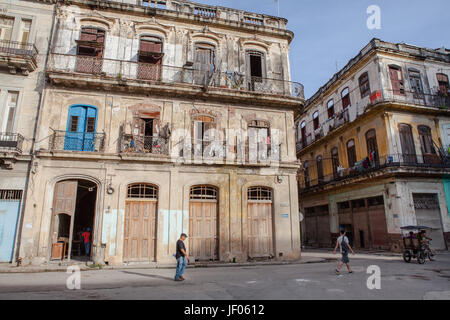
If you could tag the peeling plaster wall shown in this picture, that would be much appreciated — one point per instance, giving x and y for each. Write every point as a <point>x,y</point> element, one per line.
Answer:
<point>174,184</point>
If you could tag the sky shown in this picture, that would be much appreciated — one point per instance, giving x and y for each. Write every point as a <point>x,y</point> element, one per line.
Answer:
<point>328,33</point>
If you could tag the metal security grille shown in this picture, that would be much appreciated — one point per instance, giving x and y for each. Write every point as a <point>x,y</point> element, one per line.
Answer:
<point>203,193</point>
<point>142,191</point>
<point>426,201</point>
<point>260,194</point>
<point>11,195</point>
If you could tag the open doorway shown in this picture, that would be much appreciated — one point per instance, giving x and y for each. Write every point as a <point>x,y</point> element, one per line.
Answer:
<point>73,220</point>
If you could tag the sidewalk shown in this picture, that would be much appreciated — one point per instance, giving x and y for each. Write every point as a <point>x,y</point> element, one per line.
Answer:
<point>55,267</point>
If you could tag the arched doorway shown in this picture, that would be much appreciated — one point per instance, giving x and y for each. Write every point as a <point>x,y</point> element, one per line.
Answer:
<point>74,208</point>
<point>260,222</point>
<point>140,223</point>
<point>203,223</point>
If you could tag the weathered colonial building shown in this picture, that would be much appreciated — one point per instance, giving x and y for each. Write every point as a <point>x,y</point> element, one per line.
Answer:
<point>373,142</point>
<point>162,117</point>
<point>24,40</point>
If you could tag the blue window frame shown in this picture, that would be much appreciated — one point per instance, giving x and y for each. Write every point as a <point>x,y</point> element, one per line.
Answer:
<point>81,128</point>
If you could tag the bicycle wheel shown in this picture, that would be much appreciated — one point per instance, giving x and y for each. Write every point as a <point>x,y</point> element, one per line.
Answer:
<point>421,257</point>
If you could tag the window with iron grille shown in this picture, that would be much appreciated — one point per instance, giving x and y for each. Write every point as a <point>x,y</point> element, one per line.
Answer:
<point>142,191</point>
<point>203,193</point>
<point>10,195</point>
<point>260,194</point>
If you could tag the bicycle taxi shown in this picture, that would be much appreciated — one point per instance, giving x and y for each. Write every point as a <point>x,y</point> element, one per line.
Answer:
<point>413,247</point>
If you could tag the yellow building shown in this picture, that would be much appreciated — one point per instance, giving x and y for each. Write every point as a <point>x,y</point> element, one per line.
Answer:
<point>370,142</point>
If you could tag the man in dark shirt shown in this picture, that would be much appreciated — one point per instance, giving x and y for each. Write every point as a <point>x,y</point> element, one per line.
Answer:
<point>182,258</point>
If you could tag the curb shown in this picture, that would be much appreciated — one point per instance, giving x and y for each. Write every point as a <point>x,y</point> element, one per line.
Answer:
<point>134,267</point>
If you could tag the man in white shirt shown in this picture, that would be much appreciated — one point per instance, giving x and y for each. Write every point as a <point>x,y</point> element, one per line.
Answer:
<point>344,246</point>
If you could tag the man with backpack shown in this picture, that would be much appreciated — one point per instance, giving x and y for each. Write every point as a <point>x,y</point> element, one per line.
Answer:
<point>344,246</point>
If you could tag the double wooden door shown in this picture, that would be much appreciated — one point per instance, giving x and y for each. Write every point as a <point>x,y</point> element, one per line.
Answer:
<point>140,230</point>
<point>260,229</point>
<point>203,240</point>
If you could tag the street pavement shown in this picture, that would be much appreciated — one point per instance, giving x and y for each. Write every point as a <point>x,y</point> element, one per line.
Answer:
<point>399,280</point>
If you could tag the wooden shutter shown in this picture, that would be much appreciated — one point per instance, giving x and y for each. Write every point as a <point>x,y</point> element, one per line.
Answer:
<point>407,143</point>
<point>396,80</point>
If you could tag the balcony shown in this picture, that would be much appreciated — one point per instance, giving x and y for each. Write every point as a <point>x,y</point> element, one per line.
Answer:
<point>11,142</point>
<point>185,9</point>
<point>144,145</point>
<point>18,56</point>
<point>200,151</point>
<point>89,71</point>
<point>437,100</point>
<point>77,141</point>
<point>397,163</point>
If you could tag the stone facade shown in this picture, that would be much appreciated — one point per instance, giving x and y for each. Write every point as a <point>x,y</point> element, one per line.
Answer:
<point>371,149</point>
<point>223,129</point>
<point>25,36</point>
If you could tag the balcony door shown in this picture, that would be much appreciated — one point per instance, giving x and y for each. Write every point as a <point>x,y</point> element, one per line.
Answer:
<point>90,51</point>
<point>256,69</point>
<point>258,141</point>
<point>407,142</point>
<point>150,58</point>
<point>204,64</point>
<point>81,128</point>
<point>203,135</point>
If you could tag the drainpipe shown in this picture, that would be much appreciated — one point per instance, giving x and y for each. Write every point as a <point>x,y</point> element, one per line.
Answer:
<point>17,257</point>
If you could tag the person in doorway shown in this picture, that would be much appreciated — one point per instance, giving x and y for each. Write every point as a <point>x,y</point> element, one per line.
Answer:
<point>87,241</point>
<point>182,258</point>
<point>344,244</point>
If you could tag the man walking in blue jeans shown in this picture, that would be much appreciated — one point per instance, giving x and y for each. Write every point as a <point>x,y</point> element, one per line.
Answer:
<point>182,258</point>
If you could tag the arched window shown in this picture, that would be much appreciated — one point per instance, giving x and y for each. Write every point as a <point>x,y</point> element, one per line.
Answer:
<point>407,143</point>
<point>259,194</point>
<point>142,191</point>
<point>351,153</point>
<point>335,161</point>
<point>395,73</point>
<point>330,108</point>
<point>316,120</point>
<point>319,163</point>
<point>372,147</point>
<point>345,94</point>
<point>426,143</point>
<point>203,193</point>
<point>303,131</point>
<point>364,85</point>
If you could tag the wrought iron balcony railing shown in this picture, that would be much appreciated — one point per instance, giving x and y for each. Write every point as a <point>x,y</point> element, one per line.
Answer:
<point>11,142</point>
<point>435,100</point>
<point>144,145</point>
<point>366,166</point>
<point>125,71</point>
<point>77,141</point>
<point>15,48</point>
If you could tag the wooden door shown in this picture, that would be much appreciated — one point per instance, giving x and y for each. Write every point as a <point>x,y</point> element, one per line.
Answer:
<point>407,143</point>
<point>260,234</point>
<point>64,203</point>
<point>140,231</point>
<point>203,241</point>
